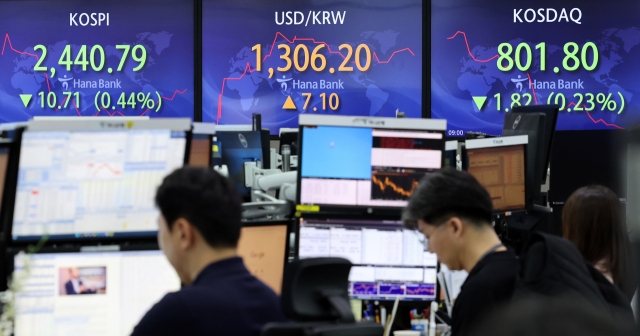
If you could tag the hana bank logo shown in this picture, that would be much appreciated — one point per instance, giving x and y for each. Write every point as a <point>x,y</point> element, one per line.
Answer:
<point>284,84</point>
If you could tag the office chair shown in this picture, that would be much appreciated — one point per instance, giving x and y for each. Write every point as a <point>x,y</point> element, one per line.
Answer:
<point>315,296</point>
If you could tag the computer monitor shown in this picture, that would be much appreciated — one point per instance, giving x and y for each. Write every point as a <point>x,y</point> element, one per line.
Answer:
<point>389,261</point>
<point>551,120</point>
<point>582,158</point>
<point>117,289</point>
<point>289,136</point>
<point>499,164</point>
<point>201,149</point>
<point>93,179</point>
<point>5,151</point>
<point>233,149</point>
<point>264,249</point>
<point>533,125</point>
<point>351,164</point>
<point>450,153</point>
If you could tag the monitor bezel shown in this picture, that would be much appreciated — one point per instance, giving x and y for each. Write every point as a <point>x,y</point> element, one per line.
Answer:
<point>88,125</point>
<point>517,140</point>
<point>415,124</point>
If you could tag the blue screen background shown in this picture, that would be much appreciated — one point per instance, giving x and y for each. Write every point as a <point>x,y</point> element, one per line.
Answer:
<point>484,24</point>
<point>232,27</point>
<point>164,27</point>
<point>337,152</point>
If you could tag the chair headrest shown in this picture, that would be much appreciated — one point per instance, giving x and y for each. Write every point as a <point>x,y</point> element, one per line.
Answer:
<point>316,289</point>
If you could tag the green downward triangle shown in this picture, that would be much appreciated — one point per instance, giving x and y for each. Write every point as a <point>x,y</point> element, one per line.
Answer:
<point>26,98</point>
<point>479,101</point>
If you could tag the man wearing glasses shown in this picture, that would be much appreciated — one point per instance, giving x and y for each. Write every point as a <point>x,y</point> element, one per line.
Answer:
<point>453,211</point>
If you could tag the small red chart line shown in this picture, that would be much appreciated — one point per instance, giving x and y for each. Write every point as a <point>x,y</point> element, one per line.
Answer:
<point>108,167</point>
<point>594,120</point>
<point>292,41</point>
<point>247,68</point>
<point>466,41</point>
<point>8,39</point>
<point>165,98</point>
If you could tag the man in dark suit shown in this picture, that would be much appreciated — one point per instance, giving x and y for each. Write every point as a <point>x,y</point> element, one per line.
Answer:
<point>74,285</point>
<point>199,229</point>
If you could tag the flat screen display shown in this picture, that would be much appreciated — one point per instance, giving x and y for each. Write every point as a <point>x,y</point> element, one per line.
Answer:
<point>102,293</point>
<point>96,58</point>
<point>285,58</point>
<point>488,56</point>
<point>389,261</point>
<point>76,184</point>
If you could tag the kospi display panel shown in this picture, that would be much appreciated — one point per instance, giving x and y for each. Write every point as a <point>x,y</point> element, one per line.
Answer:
<point>96,58</point>
<point>491,55</point>
<point>284,58</point>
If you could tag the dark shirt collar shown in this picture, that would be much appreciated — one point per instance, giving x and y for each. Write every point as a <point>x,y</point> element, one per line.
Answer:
<point>492,257</point>
<point>219,268</point>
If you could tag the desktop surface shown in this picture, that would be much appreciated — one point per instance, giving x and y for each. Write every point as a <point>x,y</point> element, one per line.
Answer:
<point>101,293</point>
<point>388,260</point>
<point>76,184</point>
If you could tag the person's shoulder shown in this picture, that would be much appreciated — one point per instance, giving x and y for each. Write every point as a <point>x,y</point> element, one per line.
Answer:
<point>162,318</point>
<point>496,269</point>
<point>503,261</point>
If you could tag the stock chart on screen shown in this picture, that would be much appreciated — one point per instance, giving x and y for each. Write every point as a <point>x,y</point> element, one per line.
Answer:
<point>284,58</point>
<point>98,58</point>
<point>489,56</point>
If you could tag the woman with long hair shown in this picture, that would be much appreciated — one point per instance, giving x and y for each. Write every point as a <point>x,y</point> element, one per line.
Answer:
<point>592,219</point>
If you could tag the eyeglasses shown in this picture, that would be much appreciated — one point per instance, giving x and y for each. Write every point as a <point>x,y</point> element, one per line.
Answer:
<point>423,240</point>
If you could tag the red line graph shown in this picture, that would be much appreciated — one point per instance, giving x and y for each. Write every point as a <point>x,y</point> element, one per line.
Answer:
<point>108,167</point>
<point>469,49</point>
<point>466,41</point>
<point>592,119</point>
<point>8,39</point>
<point>292,41</point>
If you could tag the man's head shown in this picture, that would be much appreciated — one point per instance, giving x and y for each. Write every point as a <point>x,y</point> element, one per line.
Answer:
<point>200,215</point>
<point>451,209</point>
<point>73,273</point>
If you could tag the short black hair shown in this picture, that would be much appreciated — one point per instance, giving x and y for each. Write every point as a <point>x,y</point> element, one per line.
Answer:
<point>207,200</point>
<point>445,194</point>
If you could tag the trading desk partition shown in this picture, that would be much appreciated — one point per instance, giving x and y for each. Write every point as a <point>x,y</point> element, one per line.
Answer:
<point>94,179</point>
